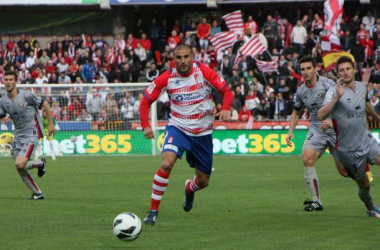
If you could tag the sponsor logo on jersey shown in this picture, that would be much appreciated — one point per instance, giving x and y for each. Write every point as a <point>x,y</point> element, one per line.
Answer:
<point>356,114</point>
<point>151,88</point>
<point>170,139</point>
<point>176,82</point>
<point>188,97</point>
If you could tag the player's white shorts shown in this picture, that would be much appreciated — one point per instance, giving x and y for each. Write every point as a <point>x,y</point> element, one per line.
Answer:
<point>25,148</point>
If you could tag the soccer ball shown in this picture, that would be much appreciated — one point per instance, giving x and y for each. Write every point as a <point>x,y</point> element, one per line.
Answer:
<point>127,226</point>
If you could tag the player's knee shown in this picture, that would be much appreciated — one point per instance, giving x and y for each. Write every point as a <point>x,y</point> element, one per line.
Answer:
<point>202,183</point>
<point>363,182</point>
<point>308,160</point>
<point>167,166</point>
<point>20,166</point>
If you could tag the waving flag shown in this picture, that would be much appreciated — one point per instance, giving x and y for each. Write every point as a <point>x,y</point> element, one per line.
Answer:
<point>333,15</point>
<point>330,59</point>
<point>234,22</point>
<point>266,67</point>
<point>252,47</point>
<point>330,43</point>
<point>223,40</point>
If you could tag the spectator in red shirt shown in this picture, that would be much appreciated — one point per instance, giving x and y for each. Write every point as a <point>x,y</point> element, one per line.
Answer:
<point>145,43</point>
<point>132,41</point>
<point>50,67</point>
<point>176,37</point>
<point>244,114</point>
<point>203,31</point>
<point>11,43</point>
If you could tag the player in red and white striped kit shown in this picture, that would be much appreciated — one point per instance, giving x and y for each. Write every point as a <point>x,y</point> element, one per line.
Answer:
<point>190,125</point>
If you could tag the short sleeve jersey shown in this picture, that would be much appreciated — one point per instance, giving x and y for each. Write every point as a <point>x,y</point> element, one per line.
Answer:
<point>349,118</point>
<point>313,99</point>
<point>23,111</point>
<point>190,97</point>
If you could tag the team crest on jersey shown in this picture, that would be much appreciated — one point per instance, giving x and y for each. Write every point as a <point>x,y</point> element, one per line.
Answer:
<point>196,77</point>
<point>321,95</point>
<point>151,88</point>
<point>363,95</point>
<point>170,139</point>
<point>176,82</point>
<point>21,105</point>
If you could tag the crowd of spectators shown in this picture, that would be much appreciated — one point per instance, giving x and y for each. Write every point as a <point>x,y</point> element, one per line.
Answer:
<point>145,53</point>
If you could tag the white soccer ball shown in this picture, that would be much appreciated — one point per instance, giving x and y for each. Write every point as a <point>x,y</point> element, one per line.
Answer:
<point>127,226</point>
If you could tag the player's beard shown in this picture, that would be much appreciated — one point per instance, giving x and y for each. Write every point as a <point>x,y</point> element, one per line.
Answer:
<point>183,69</point>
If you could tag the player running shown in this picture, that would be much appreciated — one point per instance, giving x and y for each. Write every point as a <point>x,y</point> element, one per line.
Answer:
<point>311,94</point>
<point>22,108</point>
<point>49,138</point>
<point>347,103</point>
<point>190,125</point>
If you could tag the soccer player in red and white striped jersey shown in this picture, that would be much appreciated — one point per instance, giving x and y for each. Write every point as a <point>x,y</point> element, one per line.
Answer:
<point>190,125</point>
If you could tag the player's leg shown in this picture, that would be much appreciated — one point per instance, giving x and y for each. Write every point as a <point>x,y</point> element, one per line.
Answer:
<point>23,161</point>
<point>334,153</point>
<point>309,157</point>
<point>368,172</point>
<point>39,150</point>
<point>355,166</point>
<point>51,144</point>
<point>172,149</point>
<point>22,153</point>
<point>199,157</point>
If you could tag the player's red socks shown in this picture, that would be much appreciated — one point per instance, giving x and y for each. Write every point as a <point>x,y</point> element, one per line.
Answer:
<point>192,186</point>
<point>160,183</point>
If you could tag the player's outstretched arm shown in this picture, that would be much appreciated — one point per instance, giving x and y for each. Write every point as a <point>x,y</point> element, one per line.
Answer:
<point>49,115</point>
<point>292,125</point>
<point>370,111</point>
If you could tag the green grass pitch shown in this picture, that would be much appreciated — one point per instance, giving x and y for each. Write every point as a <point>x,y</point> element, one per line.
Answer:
<point>251,203</point>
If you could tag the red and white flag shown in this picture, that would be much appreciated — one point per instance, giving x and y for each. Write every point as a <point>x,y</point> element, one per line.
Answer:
<point>252,47</point>
<point>333,15</point>
<point>266,67</point>
<point>330,43</point>
<point>223,40</point>
<point>234,22</point>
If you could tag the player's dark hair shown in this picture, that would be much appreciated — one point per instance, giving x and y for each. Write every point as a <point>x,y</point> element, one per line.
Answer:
<point>344,59</point>
<point>305,59</point>
<point>183,46</point>
<point>11,73</point>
